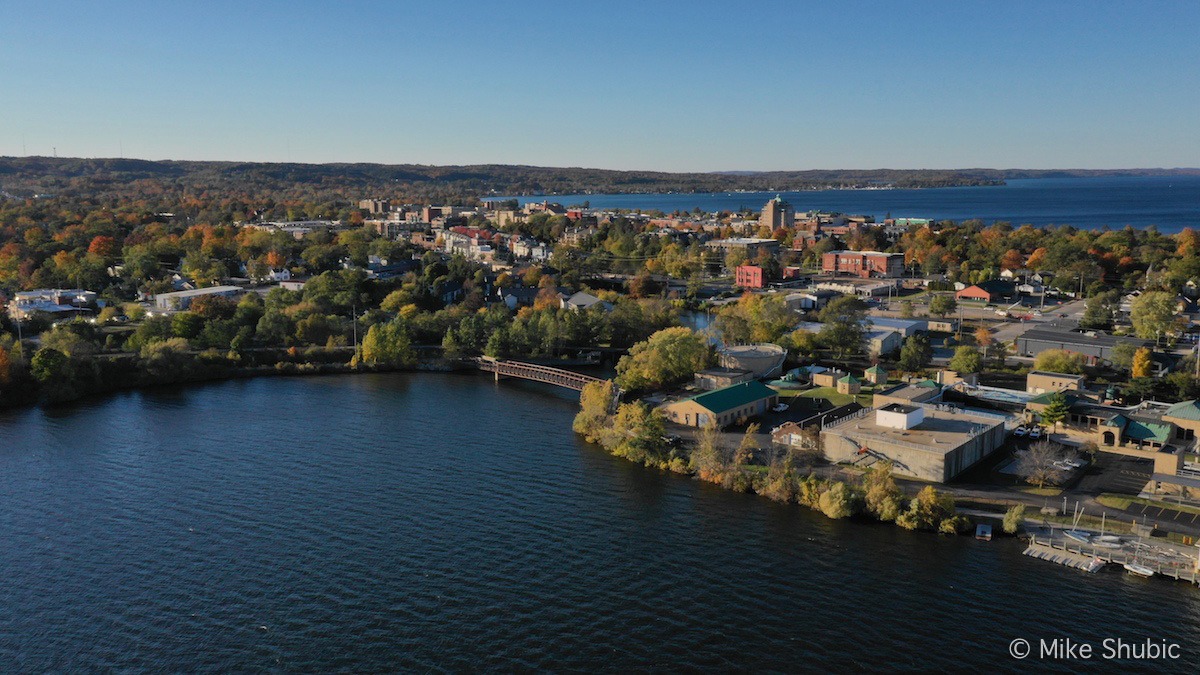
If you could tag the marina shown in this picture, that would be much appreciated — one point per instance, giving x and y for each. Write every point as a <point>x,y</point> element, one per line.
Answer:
<point>1138,558</point>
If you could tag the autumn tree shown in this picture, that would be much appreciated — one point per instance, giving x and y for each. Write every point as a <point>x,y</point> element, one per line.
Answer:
<point>1037,463</point>
<point>667,357</point>
<point>595,412</point>
<point>1142,364</point>
<point>1153,314</point>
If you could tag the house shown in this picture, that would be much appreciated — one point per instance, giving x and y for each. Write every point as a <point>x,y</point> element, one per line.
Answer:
<point>988,291</point>
<point>583,300</point>
<point>518,296</point>
<point>723,406</point>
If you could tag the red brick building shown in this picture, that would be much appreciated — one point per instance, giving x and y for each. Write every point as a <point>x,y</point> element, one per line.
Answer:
<point>864,264</point>
<point>749,276</point>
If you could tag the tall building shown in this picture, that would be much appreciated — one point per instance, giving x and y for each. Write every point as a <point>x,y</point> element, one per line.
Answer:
<point>777,213</point>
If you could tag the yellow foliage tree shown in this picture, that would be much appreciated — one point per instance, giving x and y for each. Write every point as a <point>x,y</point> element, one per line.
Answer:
<point>1142,362</point>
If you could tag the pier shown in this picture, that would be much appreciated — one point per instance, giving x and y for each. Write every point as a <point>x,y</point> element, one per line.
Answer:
<point>1165,562</point>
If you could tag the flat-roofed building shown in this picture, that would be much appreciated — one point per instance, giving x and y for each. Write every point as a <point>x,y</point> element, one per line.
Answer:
<point>863,264</point>
<point>777,213</point>
<point>929,442</point>
<point>1040,382</point>
<point>924,391</point>
<point>751,245</point>
<point>719,378</point>
<point>181,300</point>
<point>1095,345</point>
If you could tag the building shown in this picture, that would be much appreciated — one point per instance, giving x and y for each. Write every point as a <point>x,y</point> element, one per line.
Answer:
<point>57,303</point>
<point>905,327</point>
<point>375,206</point>
<point>858,287</point>
<point>925,391</point>
<point>777,213</point>
<point>181,300</point>
<point>880,342</point>
<point>1041,382</point>
<point>988,291</point>
<point>849,385</point>
<point>930,442</point>
<point>806,300</point>
<point>749,276</point>
<point>876,375</point>
<point>828,377</point>
<point>723,406</point>
<point>719,378</point>
<point>751,246</point>
<point>583,300</point>
<point>864,264</point>
<point>942,325</point>
<point>1095,345</point>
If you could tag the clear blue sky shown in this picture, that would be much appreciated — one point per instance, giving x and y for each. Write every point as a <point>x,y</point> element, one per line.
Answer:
<point>687,86</point>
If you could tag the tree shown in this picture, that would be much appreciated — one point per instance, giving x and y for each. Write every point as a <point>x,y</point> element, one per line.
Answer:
<point>1100,310</point>
<point>5,367</point>
<point>916,353</point>
<point>1014,518</point>
<point>1153,314</point>
<point>927,510</point>
<point>187,325</point>
<point>49,364</point>
<point>1121,356</point>
<point>983,339</point>
<point>166,359</point>
<point>906,309</point>
<point>1056,410</point>
<point>636,433</point>
<point>942,305</point>
<point>708,456</point>
<point>1142,363</point>
<point>667,357</point>
<point>884,500</point>
<point>389,344</point>
<point>595,413</point>
<point>747,446</point>
<point>839,501</point>
<point>1036,464</point>
<point>967,359</point>
<point>844,325</point>
<point>1059,361</point>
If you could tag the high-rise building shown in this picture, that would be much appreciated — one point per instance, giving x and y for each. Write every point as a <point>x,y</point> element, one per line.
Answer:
<point>777,213</point>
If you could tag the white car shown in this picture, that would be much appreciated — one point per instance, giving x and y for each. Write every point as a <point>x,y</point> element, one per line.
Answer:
<point>780,408</point>
<point>1075,463</point>
<point>1020,432</point>
<point>1035,433</point>
<point>1062,465</point>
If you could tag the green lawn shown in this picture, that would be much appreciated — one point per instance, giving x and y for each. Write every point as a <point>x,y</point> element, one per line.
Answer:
<point>1041,492</point>
<point>1123,502</point>
<point>830,394</point>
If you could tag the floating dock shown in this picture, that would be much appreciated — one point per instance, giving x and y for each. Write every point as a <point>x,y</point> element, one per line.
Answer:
<point>1063,557</point>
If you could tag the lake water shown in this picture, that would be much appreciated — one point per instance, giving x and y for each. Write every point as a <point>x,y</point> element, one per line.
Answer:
<point>444,522</point>
<point>1167,202</point>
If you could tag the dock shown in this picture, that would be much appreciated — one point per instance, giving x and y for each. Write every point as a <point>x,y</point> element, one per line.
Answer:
<point>1044,551</point>
<point>1165,562</point>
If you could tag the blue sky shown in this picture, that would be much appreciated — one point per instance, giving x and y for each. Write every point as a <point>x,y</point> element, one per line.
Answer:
<point>681,86</point>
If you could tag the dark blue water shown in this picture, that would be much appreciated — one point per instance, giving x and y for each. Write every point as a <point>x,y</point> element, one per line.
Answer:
<point>1167,202</point>
<point>431,522</point>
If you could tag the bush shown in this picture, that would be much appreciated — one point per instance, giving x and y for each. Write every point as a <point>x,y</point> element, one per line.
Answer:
<point>1014,518</point>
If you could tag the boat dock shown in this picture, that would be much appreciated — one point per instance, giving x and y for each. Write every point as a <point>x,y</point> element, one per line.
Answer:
<point>1044,551</point>
<point>1165,562</point>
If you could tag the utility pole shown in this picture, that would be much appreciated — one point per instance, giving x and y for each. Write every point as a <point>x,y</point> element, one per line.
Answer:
<point>354,323</point>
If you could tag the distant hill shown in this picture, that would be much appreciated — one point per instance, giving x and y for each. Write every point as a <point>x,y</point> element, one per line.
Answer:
<point>23,176</point>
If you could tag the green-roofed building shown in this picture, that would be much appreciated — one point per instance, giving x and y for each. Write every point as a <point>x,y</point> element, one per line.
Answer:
<point>725,406</point>
<point>849,385</point>
<point>876,375</point>
<point>1185,416</point>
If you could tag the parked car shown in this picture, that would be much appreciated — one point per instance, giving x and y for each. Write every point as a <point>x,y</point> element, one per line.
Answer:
<point>1020,432</point>
<point>780,408</point>
<point>1035,433</point>
<point>1075,463</point>
<point>1062,465</point>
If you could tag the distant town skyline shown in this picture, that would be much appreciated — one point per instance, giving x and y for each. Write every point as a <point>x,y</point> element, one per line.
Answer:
<point>681,87</point>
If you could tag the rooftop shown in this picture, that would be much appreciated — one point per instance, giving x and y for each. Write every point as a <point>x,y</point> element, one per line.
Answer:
<point>943,430</point>
<point>1066,336</point>
<point>728,398</point>
<point>899,408</point>
<point>1187,410</point>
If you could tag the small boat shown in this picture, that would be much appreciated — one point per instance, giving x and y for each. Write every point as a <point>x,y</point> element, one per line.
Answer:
<point>983,532</point>
<point>1139,570</point>
<point>1079,536</point>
